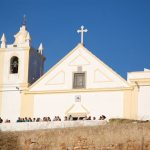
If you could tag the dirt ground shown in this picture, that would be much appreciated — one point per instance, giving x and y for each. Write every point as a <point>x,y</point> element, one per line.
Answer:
<point>113,136</point>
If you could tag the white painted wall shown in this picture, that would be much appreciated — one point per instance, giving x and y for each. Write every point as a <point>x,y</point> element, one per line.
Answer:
<point>11,96</point>
<point>11,105</point>
<point>109,104</point>
<point>144,103</point>
<point>14,78</point>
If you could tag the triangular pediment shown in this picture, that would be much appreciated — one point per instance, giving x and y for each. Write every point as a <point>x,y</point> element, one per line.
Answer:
<point>61,76</point>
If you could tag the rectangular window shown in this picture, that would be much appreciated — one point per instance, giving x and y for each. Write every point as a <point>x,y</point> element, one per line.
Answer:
<point>79,80</point>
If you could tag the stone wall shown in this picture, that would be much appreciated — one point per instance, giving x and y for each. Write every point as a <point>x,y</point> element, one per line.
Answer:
<point>123,136</point>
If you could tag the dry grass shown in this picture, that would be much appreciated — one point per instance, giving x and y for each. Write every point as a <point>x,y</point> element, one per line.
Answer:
<point>113,136</point>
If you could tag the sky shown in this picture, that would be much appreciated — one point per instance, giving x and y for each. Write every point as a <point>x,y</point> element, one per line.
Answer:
<point>118,30</point>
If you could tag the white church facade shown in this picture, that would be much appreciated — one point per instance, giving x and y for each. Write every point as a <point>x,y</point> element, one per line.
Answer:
<point>79,85</point>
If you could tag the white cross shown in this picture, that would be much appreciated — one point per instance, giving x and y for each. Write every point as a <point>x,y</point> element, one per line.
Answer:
<point>82,31</point>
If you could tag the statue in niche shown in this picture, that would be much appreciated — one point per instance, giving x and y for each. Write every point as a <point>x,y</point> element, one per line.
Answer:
<point>14,65</point>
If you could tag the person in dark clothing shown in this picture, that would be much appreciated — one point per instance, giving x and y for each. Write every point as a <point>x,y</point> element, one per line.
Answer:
<point>1,120</point>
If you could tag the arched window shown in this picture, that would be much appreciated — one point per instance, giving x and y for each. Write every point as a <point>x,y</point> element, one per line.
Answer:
<point>14,63</point>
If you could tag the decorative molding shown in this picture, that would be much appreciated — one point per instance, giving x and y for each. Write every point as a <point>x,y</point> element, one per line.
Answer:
<point>141,81</point>
<point>79,90</point>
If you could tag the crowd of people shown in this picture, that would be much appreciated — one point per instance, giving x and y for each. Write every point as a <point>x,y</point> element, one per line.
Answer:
<point>6,121</point>
<point>56,118</point>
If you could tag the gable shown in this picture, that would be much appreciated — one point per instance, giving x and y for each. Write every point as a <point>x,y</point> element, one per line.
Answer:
<point>58,78</point>
<point>98,74</point>
<point>79,61</point>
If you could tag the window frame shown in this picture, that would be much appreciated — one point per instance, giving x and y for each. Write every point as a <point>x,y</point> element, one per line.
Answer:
<point>73,80</point>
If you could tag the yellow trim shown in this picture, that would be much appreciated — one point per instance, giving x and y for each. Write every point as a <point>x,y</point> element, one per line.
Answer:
<point>2,49</point>
<point>21,84</point>
<point>63,59</point>
<point>78,90</point>
<point>1,94</point>
<point>134,103</point>
<point>139,72</point>
<point>131,103</point>
<point>27,105</point>
<point>15,49</point>
<point>141,81</point>
<point>127,104</point>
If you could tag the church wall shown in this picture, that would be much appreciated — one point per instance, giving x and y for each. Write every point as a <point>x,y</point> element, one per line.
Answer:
<point>26,66</point>
<point>1,76</point>
<point>131,103</point>
<point>1,66</point>
<point>10,96</point>
<point>10,105</point>
<point>141,82</point>
<point>14,79</point>
<point>0,103</point>
<point>104,92</point>
<point>108,103</point>
<point>134,103</point>
<point>27,105</point>
<point>127,103</point>
<point>144,102</point>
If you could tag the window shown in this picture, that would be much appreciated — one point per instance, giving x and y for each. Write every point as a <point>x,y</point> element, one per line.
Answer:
<point>79,80</point>
<point>14,65</point>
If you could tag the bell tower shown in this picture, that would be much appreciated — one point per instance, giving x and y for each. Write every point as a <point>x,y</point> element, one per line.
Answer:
<point>21,65</point>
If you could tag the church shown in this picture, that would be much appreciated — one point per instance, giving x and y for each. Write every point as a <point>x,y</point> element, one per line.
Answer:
<point>80,84</point>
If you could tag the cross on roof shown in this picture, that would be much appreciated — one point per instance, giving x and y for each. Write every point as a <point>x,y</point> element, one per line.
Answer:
<point>82,31</point>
